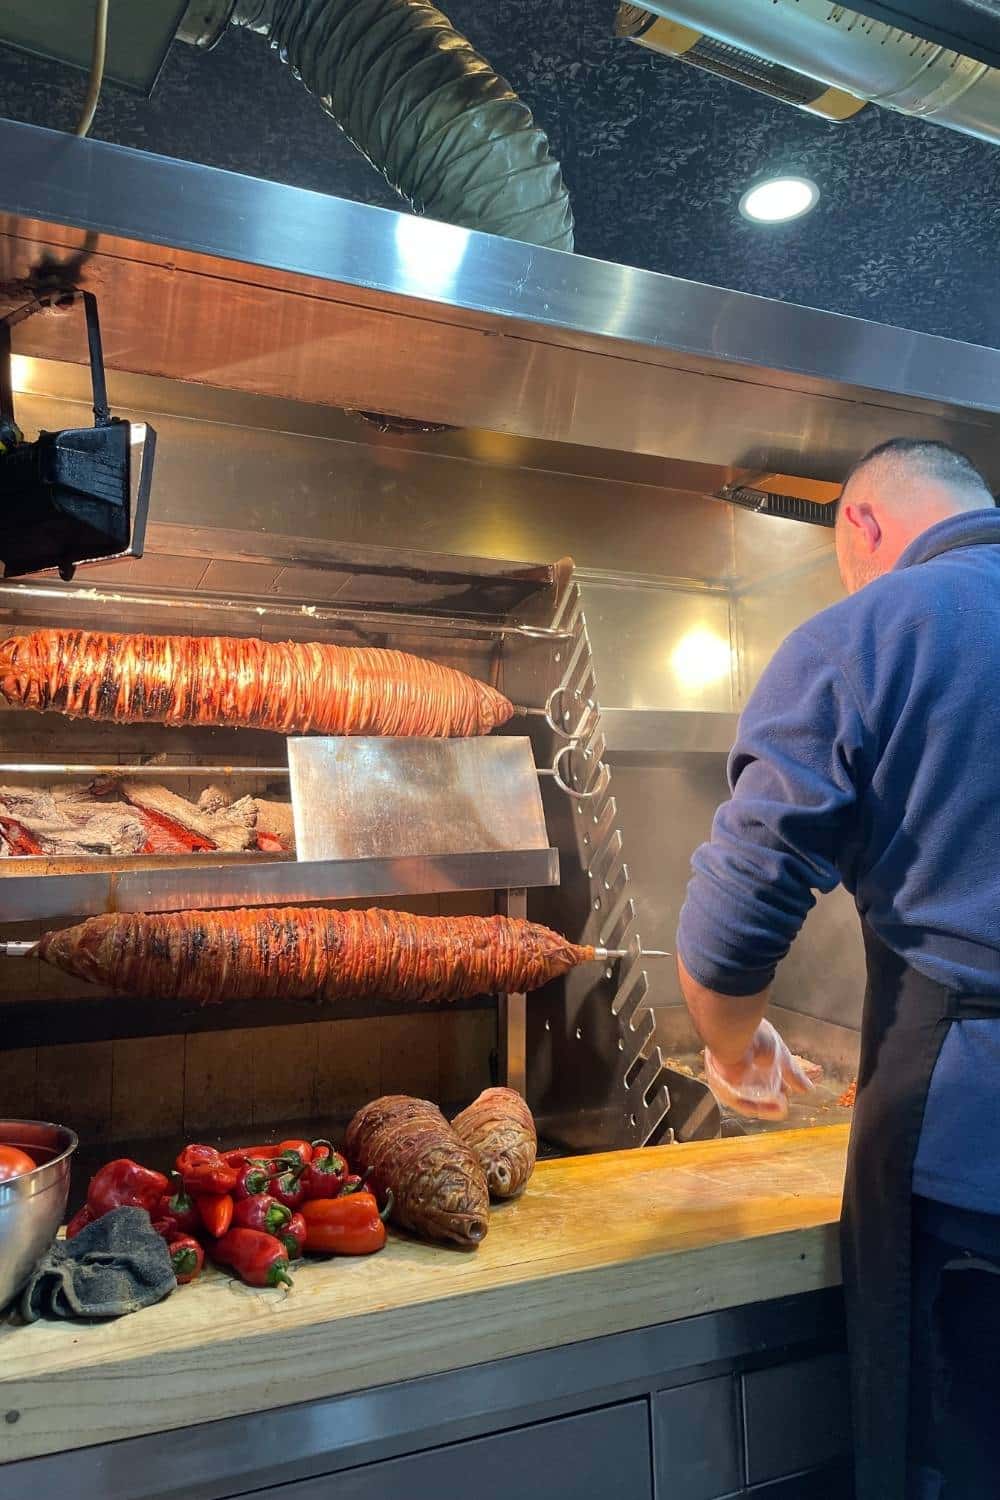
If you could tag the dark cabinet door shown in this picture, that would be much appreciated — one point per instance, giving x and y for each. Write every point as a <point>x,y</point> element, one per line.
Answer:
<point>697,1440</point>
<point>599,1455</point>
<point>797,1417</point>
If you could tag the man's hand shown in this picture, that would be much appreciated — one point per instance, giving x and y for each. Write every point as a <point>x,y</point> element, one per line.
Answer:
<point>758,1084</point>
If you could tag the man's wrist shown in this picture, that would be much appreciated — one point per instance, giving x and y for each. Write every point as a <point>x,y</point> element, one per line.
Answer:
<point>731,1060</point>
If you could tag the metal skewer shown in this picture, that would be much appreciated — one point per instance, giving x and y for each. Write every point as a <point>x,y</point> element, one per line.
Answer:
<point>605,953</point>
<point>25,950</point>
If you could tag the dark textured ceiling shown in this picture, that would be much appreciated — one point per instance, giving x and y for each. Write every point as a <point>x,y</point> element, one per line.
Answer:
<point>656,155</point>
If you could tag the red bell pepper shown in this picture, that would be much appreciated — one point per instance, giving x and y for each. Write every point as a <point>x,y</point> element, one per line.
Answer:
<point>325,1174</point>
<point>253,1179</point>
<point>178,1208</point>
<point>352,1183</point>
<point>296,1153</point>
<point>241,1156</point>
<point>203,1171</point>
<point>345,1226</point>
<point>187,1258</point>
<point>293,1237</point>
<point>261,1212</point>
<point>80,1220</point>
<point>258,1259</point>
<point>216,1210</point>
<point>288,1187</point>
<point>124,1184</point>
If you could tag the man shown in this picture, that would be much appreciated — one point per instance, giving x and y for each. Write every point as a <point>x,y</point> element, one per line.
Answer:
<point>869,754</point>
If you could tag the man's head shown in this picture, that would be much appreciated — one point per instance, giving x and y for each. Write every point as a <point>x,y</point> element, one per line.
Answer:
<point>894,494</point>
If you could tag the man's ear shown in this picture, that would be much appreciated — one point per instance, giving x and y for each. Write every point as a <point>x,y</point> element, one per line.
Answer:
<point>864,521</point>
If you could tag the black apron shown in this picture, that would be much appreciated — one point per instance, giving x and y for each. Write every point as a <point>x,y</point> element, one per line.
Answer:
<point>906,1018</point>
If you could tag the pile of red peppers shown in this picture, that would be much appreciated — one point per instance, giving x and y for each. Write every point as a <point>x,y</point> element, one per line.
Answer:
<point>253,1210</point>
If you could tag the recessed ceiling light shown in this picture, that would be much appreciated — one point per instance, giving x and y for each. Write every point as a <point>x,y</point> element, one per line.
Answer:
<point>779,199</point>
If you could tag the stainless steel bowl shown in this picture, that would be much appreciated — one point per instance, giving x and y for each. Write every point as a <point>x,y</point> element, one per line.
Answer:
<point>32,1206</point>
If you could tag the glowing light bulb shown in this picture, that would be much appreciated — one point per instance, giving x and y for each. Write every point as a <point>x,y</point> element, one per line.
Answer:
<point>700,658</point>
<point>20,372</point>
<point>779,199</point>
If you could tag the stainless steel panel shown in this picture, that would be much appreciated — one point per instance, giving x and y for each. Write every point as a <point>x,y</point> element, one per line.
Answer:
<point>664,813</point>
<point>366,798</point>
<point>765,546</point>
<point>53,898</point>
<point>797,1416</point>
<point>603,1453</point>
<point>770,610</point>
<point>697,1448</point>
<point>659,647</point>
<point>660,733</point>
<point>836,1045</point>
<point>221,475</point>
<point>209,276</point>
<point>824,974</point>
<point>70,383</point>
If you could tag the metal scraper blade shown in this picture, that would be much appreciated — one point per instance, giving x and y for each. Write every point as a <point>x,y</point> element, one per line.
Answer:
<point>386,798</point>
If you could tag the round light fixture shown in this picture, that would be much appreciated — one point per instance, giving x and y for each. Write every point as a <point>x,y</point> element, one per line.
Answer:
<point>779,199</point>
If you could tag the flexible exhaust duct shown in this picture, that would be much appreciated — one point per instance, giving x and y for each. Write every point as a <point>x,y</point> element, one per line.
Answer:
<point>425,109</point>
<point>847,51</point>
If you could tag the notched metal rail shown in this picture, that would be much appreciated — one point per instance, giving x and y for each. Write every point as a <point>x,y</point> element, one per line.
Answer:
<point>572,711</point>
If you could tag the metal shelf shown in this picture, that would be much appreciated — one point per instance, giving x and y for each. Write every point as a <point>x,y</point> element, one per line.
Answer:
<point>107,1018</point>
<point>659,734</point>
<point>43,898</point>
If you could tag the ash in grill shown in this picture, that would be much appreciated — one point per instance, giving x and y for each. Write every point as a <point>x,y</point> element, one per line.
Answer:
<point>127,817</point>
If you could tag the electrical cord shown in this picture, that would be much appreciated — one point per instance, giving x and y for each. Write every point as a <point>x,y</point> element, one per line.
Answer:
<point>96,79</point>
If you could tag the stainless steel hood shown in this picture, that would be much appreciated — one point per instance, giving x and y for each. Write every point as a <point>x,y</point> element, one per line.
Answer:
<point>229,281</point>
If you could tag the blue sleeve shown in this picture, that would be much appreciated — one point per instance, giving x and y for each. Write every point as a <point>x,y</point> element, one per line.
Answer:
<point>794,773</point>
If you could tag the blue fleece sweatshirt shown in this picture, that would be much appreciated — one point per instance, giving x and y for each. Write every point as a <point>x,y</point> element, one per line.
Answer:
<point>869,753</point>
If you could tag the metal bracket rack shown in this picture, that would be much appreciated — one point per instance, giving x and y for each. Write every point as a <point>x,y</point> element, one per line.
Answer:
<point>598,1080</point>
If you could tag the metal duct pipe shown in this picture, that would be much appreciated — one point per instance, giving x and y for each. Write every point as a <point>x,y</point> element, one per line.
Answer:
<point>848,51</point>
<point>431,114</point>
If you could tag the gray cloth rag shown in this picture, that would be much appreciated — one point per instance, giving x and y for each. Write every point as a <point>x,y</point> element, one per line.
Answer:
<point>114,1266</point>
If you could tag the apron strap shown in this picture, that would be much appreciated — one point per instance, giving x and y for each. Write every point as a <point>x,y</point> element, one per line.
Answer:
<point>974,1007</point>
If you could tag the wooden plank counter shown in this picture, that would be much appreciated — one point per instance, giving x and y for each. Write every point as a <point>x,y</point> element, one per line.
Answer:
<point>598,1245</point>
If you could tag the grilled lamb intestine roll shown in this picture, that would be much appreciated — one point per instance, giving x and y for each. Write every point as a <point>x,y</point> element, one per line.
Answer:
<point>309,953</point>
<point>289,687</point>
<point>499,1128</point>
<point>407,1147</point>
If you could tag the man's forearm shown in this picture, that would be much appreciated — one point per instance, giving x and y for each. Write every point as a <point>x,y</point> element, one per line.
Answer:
<point>725,1023</point>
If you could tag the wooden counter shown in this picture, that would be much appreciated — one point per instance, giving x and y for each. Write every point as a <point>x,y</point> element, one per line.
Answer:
<point>598,1245</point>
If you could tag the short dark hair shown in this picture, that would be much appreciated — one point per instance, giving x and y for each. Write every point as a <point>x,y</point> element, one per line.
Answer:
<point>933,459</point>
